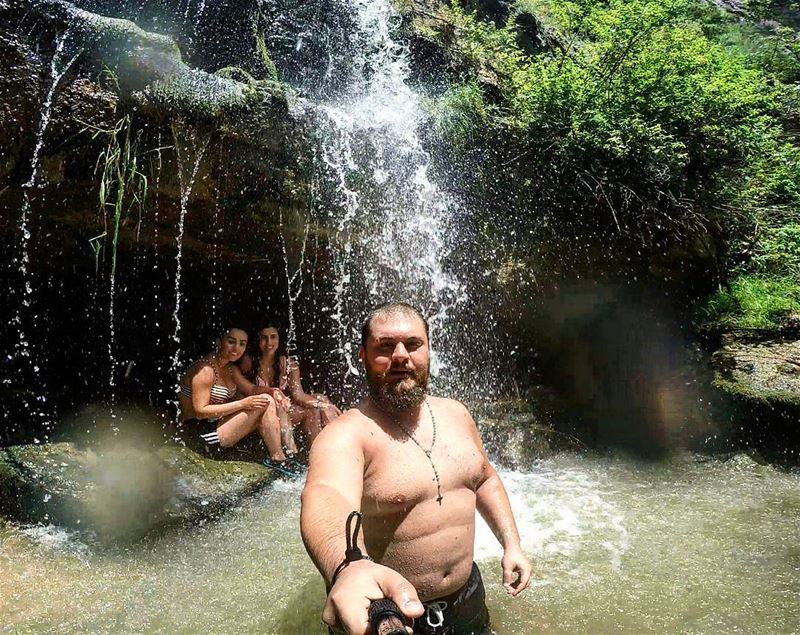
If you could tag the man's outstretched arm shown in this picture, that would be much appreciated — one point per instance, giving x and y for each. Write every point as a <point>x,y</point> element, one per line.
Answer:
<point>333,489</point>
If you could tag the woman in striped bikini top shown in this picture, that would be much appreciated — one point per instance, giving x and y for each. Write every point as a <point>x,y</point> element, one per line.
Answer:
<point>220,393</point>
<point>230,348</point>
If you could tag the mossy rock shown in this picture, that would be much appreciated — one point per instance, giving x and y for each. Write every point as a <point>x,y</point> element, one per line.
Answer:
<point>761,371</point>
<point>149,69</point>
<point>516,439</point>
<point>119,493</point>
<point>109,38</point>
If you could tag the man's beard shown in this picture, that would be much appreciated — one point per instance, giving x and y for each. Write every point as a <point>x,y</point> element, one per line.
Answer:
<point>396,397</point>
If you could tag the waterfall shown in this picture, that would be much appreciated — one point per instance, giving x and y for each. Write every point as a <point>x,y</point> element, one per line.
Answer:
<point>294,284</point>
<point>189,156</point>
<point>393,226</point>
<point>24,317</point>
<point>25,233</point>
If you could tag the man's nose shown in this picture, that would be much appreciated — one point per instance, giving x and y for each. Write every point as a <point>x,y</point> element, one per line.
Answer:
<point>400,353</point>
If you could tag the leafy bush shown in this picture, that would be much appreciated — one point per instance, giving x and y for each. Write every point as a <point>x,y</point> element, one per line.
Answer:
<point>753,302</point>
<point>660,120</point>
<point>639,110</point>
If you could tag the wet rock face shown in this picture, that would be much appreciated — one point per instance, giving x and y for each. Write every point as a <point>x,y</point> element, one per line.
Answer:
<point>119,493</point>
<point>767,371</point>
<point>760,377</point>
<point>304,43</point>
<point>249,152</point>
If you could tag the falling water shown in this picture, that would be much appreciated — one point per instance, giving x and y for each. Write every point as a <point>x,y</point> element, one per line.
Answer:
<point>196,148</point>
<point>213,283</point>
<point>294,283</point>
<point>392,223</point>
<point>24,259</point>
<point>22,346</point>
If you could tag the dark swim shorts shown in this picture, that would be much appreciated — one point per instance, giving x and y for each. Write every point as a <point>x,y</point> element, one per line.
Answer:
<point>463,612</point>
<point>202,436</point>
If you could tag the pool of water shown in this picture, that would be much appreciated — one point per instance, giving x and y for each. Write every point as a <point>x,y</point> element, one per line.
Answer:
<point>618,546</point>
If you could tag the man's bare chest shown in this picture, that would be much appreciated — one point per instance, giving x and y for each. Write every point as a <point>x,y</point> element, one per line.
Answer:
<point>399,474</point>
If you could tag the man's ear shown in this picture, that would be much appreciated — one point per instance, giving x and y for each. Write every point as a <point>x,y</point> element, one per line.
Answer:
<point>361,352</point>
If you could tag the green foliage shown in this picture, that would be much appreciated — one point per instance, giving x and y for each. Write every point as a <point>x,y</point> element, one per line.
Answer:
<point>776,51</point>
<point>460,112</point>
<point>122,187</point>
<point>753,302</point>
<point>779,251</point>
<point>643,111</point>
<point>767,292</point>
<point>652,119</point>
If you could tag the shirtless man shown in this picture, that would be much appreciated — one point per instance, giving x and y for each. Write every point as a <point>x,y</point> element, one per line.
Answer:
<point>414,466</point>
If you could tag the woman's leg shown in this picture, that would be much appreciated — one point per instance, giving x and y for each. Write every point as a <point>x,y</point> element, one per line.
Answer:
<point>236,427</point>
<point>309,420</point>
<point>287,429</point>
<point>270,430</point>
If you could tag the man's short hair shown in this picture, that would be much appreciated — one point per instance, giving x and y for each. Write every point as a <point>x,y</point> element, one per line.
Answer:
<point>390,308</point>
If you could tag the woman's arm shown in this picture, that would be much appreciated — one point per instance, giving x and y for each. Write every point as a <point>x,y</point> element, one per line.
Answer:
<point>201,398</point>
<point>300,396</point>
<point>245,386</point>
<point>295,385</point>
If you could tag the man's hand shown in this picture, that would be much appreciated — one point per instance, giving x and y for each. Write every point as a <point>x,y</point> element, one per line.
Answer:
<point>516,571</point>
<point>358,584</point>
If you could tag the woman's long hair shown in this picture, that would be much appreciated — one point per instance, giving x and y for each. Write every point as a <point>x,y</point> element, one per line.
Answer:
<point>276,362</point>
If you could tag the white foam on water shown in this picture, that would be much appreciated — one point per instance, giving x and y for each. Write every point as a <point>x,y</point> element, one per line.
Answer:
<point>58,539</point>
<point>558,513</point>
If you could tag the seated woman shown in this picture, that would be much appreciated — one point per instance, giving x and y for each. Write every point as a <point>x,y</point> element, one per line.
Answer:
<point>207,398</point>
<point>280,376</point>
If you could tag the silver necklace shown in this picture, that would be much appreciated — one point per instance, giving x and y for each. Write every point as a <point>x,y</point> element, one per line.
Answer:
<point>426,452</point>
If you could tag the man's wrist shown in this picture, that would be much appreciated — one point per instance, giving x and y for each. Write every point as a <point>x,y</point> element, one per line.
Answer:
<point>351,568</point>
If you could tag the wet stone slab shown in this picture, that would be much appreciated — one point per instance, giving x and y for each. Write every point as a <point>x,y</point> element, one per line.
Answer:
<point>765,371</point>
<point>119,493</point>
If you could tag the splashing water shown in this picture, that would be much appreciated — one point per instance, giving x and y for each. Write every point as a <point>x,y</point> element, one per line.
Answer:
<point>294,284</point>
<point>189,152</point>
<point>56,75</point>
<point>393,225</point>
<point>616,547</point>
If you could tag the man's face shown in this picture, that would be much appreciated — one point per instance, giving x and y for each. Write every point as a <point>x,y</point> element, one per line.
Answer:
<point>396,361</point>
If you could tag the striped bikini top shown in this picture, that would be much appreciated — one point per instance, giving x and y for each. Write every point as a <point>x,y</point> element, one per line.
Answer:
<point>220,393</point>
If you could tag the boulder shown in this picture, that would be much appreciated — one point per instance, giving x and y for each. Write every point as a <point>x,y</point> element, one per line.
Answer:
<point>119,493</point>
<point>760,370</point>
<point>514,436</point>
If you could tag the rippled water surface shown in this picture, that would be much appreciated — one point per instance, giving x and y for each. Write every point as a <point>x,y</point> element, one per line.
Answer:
<point>683,546</point>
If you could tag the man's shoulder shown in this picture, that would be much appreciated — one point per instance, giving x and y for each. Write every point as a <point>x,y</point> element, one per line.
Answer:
<point>451,406</point>
<point>350,417</point>
<point>350,423</point>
